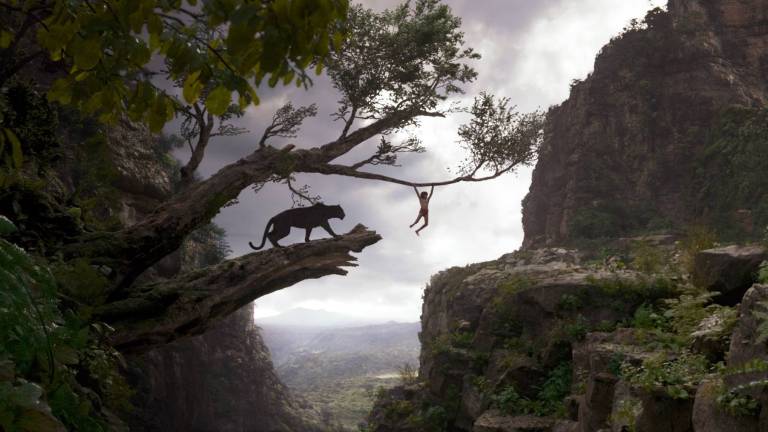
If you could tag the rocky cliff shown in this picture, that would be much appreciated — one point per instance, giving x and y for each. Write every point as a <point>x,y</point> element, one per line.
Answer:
<point>627,151</point>
<point>636,331</point>
<point>542,340</point>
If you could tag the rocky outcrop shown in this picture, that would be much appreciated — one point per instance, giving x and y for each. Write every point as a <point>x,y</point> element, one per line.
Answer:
<point>540,340</point>
<point>708,415</point>
<point>728,270</point>
<point>622,153</point>
<point>494,421</point>
<point>500,334</point>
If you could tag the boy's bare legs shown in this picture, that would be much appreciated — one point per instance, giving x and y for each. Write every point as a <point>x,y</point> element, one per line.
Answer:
<point>418,218</point>
<point>426,222</point>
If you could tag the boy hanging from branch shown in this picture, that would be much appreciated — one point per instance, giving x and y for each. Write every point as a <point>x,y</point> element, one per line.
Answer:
<point>424,207</point>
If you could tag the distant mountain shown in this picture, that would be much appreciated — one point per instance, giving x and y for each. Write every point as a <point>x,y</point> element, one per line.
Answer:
<point>302,317</point>
<point>286,342</point>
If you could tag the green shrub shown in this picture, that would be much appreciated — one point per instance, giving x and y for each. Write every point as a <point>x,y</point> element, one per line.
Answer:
<point>549,398</point>
<point>647,258</point>
<point>647,317</point>
<point>697,238</point>
<point>736,149</point>
<point>738,404</point>
<point>676,376</point>
<point>762,273</point>
<point>46,349</point>
<point>596,222</point>
<point>687,312</point>
<point>408,374</point>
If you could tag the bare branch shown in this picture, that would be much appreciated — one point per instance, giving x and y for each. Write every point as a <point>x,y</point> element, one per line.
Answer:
<point>386,153</point>
<point>287,121</point>
<point>302,193</point>
<point>349,121</point>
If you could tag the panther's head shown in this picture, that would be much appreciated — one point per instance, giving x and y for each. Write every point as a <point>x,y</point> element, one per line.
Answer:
<point>336,211</point>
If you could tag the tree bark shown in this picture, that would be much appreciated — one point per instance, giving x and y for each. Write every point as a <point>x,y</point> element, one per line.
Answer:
<point>204,136</point>
<point>161,312</point>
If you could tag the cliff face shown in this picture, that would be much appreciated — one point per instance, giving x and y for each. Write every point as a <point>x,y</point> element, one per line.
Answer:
<point>220,381</point>
<point>622,153</point>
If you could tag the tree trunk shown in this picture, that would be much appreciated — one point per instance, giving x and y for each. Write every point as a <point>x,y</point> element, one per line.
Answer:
<point>188,170</point>
<point>160,312</point>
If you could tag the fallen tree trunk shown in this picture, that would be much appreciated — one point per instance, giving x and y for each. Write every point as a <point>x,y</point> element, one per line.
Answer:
<point>161,312</point>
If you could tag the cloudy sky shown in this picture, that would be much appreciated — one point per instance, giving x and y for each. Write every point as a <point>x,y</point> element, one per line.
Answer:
<point>531,50</point>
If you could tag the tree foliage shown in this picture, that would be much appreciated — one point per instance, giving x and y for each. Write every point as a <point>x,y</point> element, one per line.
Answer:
<point>106,48</point>
<point>46,349</point>
<point>406,59</point>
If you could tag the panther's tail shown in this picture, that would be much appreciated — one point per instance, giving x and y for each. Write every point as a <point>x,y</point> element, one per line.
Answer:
<point>264,238</point>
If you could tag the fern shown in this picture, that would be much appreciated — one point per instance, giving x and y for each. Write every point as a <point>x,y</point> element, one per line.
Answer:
<point>762,273</point>
<point>762,317</point>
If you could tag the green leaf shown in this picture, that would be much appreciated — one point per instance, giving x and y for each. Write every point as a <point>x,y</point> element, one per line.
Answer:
<point>86,53</point>
<point>338,40</point>
<point>39,420</point>
<point>192,87</point>
<point>5,39</point>
<point>27,395</point>
<point>6,226</point>
<point>61,92</point>
<point>218,101</point>
<point>15,148</point>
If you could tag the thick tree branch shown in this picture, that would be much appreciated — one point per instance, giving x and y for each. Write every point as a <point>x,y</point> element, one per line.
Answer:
<point>158,313</point>
<point>346,143</point>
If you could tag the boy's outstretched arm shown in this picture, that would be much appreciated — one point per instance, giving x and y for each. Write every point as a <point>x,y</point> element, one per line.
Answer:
<point>430,193</point>
<point>416,190</point>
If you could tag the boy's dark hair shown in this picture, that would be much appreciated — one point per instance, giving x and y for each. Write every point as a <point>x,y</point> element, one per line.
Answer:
<point>423,193</point>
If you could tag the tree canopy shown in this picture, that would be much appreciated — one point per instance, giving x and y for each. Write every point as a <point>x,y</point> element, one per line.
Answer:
<point>226,46</point>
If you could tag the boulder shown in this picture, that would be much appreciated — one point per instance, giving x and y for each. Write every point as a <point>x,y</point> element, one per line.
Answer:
<point>712,336</point>
<point>566,426</point>
<point>708,416</point>
<point>495,421</point>
<point>509,368</point>
<point>626,408</point>
<point>602,352</point>
<point>595,411</point>
<point>639,410</point>
<point>728,270</point>
<point>744,346</point>
<point>662,413</point>
<point>472,400</point>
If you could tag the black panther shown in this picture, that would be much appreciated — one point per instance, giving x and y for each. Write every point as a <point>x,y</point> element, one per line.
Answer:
<point>302,217</point>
